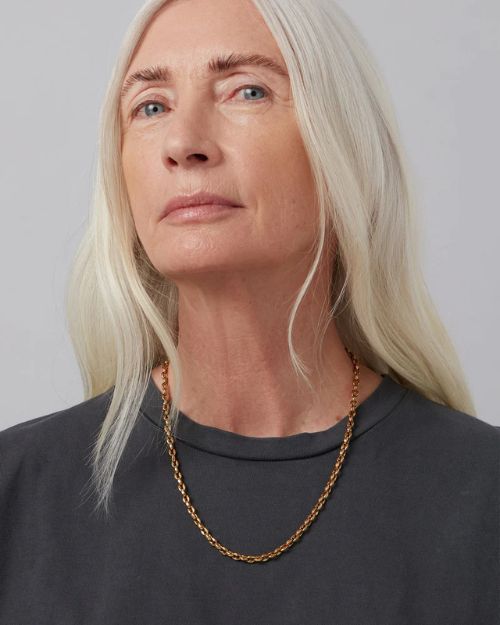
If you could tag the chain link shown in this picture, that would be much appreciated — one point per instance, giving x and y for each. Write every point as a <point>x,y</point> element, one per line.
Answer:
<point>316,508</point>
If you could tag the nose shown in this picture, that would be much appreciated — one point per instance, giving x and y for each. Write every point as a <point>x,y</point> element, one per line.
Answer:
<point>189,140</point>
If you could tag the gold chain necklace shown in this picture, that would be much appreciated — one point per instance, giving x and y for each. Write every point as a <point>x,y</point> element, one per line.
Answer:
<point>317,507</point>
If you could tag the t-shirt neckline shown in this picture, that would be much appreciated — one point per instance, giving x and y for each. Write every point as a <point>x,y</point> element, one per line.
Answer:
<point>379,404</point>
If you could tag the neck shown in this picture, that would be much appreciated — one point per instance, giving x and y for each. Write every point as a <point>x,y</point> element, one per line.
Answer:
<point>236,370</point>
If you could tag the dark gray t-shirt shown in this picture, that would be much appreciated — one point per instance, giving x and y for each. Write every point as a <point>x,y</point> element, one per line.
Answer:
<point>410,534</point>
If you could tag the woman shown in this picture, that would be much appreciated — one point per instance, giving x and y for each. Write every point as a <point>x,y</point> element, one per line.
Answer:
<point>278,424</point>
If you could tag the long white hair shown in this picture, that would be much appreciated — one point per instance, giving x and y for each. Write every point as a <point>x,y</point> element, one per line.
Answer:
<point>122,313</point>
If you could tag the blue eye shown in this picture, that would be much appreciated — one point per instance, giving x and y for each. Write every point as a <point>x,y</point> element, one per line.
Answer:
<point>154,105</point>
<point>252,89</point>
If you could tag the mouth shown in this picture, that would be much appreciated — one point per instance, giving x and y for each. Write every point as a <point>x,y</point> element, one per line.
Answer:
<point>200,213</point>
<point>201,203</point>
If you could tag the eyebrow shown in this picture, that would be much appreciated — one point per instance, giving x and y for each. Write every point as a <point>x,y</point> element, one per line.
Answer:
<point>217,65</point>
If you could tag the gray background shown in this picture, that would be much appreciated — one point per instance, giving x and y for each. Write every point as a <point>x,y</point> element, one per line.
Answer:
<point>441,62</point>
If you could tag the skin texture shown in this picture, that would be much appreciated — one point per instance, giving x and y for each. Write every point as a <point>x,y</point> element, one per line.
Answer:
<point>237,275</point>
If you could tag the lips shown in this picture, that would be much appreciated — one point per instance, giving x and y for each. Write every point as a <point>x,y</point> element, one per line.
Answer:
<point>197,199</point>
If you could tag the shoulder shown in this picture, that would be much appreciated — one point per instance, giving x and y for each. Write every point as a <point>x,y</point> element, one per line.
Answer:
<point>447,420</point>
<point>55,439</point>
<point>71,420</point>
<point>440,432</point>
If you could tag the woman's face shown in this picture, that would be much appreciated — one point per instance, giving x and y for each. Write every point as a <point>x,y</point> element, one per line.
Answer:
<point>232,133</point>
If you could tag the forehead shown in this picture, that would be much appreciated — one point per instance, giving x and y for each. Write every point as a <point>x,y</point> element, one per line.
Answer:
<point>185,33</point>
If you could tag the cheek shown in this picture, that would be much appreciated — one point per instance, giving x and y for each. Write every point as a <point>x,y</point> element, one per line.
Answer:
<point>284,186</point>
<point>132,173</point>
<point>136,164</point>
<point>141,185</point>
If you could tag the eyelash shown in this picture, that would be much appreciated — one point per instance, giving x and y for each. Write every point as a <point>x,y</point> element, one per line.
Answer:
<point>135,112</point>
